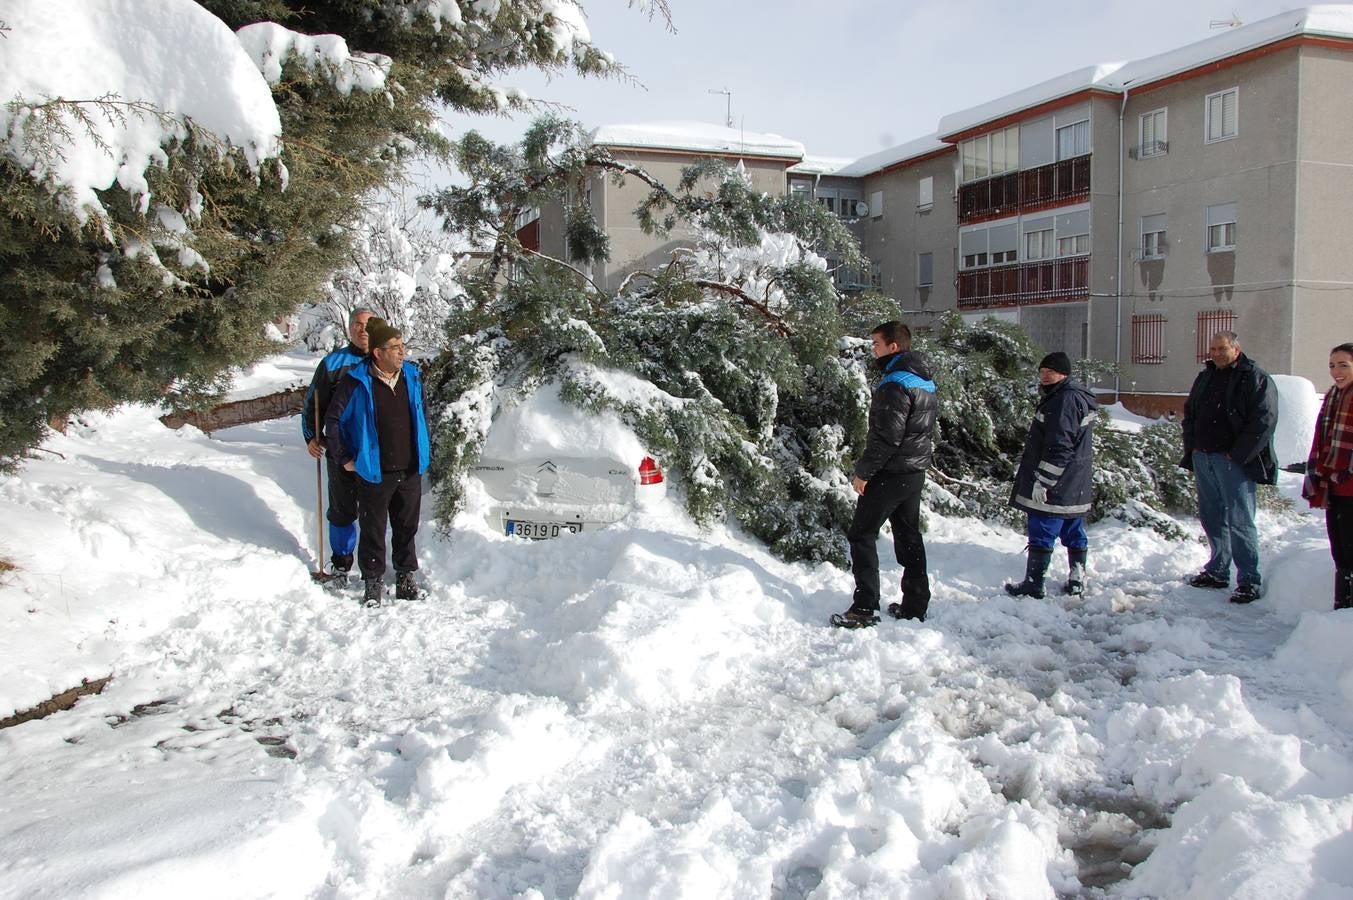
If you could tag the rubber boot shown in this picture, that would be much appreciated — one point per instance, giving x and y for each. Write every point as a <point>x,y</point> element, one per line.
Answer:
<point>1075,581</point>
<point>1036,569</point>
<point>1343,589</point>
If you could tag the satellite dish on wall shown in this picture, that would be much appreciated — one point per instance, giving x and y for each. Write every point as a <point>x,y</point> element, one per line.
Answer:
<point>861,208</point>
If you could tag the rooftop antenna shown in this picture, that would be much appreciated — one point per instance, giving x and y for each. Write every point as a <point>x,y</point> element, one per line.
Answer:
<point>728,115</point>
<point>1233,22</point>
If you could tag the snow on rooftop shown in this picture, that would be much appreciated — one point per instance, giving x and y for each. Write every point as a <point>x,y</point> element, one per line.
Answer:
<point>171,55</point>
<point>698,136</point>
<point>867,165</point>
<point>1025,98</point>
<point>1335,20</point>
<point>1332,20</point>
<point>819,165</point>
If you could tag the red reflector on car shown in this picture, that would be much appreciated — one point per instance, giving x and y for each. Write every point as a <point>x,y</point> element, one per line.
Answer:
<point>649,472</point>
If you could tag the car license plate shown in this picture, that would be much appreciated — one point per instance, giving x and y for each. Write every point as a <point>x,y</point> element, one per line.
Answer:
<point>539,531</point>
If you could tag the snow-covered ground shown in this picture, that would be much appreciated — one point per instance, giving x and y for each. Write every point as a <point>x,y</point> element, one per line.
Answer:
<point>644,711</point>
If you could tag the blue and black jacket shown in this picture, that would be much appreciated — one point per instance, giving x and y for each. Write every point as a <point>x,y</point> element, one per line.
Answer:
<point>901,418</point>
<point>1059,453</point>
<point>351,422</point>
<point>327,374</point>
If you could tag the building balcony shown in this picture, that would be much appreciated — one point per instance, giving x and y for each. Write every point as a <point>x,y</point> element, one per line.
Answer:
<point>1025,284</point>
<point>1065,181</point>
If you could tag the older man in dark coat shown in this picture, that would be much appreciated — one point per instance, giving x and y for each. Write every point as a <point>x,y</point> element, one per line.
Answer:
<point>1229,421</point>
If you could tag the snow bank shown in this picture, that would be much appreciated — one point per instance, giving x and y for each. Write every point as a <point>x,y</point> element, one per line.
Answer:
<point>1298,410</point>
<point>172,58</point>
<point>649,709</point>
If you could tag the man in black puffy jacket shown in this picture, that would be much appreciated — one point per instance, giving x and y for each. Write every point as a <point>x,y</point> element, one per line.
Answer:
<point>1055,480</point>
<point>890,476</point>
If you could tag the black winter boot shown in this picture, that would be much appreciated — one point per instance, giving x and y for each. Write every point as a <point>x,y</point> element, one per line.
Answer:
<point>915,598</point>
<point>1075,581</point>
<point>1035,570</point>
<point>407,589</point>
<point>1343,588</point>
<point>374,594</point>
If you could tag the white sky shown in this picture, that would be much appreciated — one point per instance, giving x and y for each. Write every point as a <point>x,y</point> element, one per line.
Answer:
<point>850,77</point>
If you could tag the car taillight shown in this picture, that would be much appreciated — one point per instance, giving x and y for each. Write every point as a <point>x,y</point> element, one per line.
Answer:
<point>649,472</point>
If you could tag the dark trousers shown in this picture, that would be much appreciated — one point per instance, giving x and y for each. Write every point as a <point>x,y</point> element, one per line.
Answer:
<point>895,499</point>
<point>342,512</point>
<point>1339,525</point>
<point>396,501</point>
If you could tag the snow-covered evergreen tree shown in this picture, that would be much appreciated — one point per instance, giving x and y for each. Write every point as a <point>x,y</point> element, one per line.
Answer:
<point>752,397</point>
<point>153,222</point>
<point>400,267</point>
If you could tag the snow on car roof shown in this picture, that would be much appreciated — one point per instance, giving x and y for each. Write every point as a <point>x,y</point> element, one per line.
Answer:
<point>698,136</point>
<point>543,423</point>
<point>1331,20</point>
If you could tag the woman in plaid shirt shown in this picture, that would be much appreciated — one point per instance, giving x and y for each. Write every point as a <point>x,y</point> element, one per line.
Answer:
<point>1329,471</point>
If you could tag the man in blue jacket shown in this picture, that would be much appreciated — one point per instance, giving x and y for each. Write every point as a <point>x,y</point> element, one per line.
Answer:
<point>342,512</point>
<point>377,429</point>
<point>890,476</point>
<point>1055,481</point>
<point>1229,421</point>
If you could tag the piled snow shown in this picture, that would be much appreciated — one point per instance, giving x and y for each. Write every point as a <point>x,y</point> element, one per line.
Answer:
<point>698,136</point>
<point>170,54</point>
<point>644,710</point>
<point>1298,410</point>
<point>270,45</point>
<point>542,424</point>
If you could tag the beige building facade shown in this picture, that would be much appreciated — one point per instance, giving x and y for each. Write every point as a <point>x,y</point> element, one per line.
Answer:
<point>1124,213</point>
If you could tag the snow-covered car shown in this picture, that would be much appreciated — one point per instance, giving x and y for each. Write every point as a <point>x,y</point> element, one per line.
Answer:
<point>548,468</point>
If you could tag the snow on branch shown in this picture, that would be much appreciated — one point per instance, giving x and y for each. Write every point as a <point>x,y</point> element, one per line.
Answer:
<point>270,46</point>
<point>128,56</point>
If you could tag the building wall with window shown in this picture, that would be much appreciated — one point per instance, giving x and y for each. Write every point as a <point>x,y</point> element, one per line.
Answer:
<point>631,248</point>
<point>1323,296</point>
<point>1209,200</point>
<point>912,238</point>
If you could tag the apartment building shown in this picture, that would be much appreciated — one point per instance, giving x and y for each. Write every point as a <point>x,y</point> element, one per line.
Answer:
<point>1123,212</point>
<point>663,149</point>
<point>1129,212</point>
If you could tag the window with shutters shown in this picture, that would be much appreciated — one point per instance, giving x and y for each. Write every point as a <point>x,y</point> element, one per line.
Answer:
<point>1223,115</point>
<point>1153,236</point>
<point>990,154</point>
<point>1038,244</point>
<point>925,192</point>
<point>1073,140</point>
<point>1221,228</point>
<point>925,269</point>
<point>1153,135</point>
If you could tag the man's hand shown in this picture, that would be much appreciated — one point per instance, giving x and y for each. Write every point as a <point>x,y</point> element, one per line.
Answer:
<point>1040,493</point>
<point>350,466</point>
<point>858,483</point>
<point>315,448</point>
